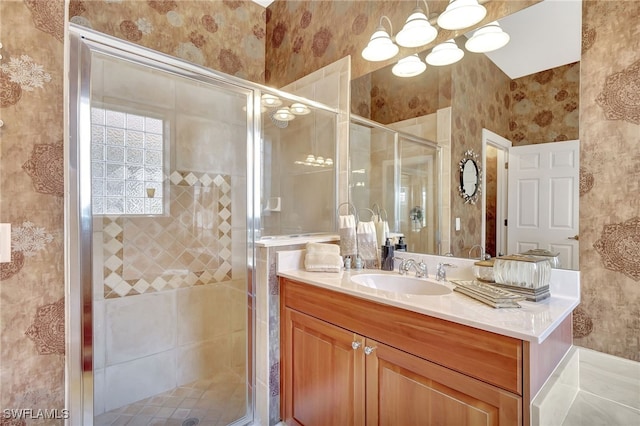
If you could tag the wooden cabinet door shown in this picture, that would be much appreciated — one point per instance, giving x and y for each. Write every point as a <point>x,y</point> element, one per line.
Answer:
<point>323,374</point>
<point>403,389</point>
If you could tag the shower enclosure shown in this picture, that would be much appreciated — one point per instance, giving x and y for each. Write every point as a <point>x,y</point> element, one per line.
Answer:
<point>160,221</point>
<point>173,171</point>
<point>400,174</point>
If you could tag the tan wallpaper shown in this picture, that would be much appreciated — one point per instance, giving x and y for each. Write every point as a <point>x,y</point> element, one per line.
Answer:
<point>545,106</point>
<point>31,189</point>
<point>608,319</point>
<point>303,36</point>
<point>225,35</point>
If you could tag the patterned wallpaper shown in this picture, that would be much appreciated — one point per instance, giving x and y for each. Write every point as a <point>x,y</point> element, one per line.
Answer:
<point>303,36</point>
<point>227,35</point>
<point>544,106</point>
<point>608,319</point>
<point>31,189</point>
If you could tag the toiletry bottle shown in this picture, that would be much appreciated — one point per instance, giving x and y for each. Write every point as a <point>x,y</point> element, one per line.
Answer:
<point>401,246</point>
<point>358,262</point>
<point>386,259</point>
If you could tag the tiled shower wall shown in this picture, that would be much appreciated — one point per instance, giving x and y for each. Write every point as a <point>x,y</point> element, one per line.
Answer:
<point>186,320</point>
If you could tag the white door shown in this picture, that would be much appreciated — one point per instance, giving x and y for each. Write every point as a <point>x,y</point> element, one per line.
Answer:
<point>543,199</point>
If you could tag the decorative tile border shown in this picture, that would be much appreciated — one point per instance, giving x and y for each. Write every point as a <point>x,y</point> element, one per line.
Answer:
<point>207,262</point>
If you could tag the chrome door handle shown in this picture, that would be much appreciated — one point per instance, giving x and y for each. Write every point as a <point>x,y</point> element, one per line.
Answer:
<point>368,350</point>
<point>356,345</point>
<point>575,237</point>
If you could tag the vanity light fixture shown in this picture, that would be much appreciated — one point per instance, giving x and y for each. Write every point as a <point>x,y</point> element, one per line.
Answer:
<point>409,66</point>
<point>487,39</point>
<point>461,14</point>
<point>417,30</point>
<point>314,161</point>
<point>270,101</point>
<point>380,46</point>
<point>284,114</point>
<point>299,109</point>
<point>445,53</point>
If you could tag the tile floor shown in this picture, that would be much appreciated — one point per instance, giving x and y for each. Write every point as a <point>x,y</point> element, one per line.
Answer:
<point>590,388</point>
<point>589,409</point>
<point>214,402</point>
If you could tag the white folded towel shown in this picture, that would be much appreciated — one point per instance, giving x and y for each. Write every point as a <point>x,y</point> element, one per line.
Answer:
<point>348,245</point>
<point>323,248</point>
<point>322,262</point>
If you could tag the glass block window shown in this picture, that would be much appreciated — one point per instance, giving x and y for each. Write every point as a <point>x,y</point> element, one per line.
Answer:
<point>126,163</point>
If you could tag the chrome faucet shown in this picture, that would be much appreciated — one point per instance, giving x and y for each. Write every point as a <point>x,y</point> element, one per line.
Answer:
<point>406,265</point>
<point>481,252</point>
<point>441,272</point>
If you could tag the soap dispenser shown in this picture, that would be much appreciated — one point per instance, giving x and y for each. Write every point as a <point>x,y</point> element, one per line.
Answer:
<point>401,246</point>
<point>386,260</point>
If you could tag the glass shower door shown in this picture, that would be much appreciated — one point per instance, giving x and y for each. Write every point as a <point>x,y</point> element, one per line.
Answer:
<point>418,195</point>
<point>169,190</point>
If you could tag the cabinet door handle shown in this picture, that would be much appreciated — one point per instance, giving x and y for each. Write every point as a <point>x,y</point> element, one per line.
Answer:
<point>368,350</point>
<point>356,345</point>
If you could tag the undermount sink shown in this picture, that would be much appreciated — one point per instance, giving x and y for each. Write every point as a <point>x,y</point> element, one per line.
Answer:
<point>401,284</point>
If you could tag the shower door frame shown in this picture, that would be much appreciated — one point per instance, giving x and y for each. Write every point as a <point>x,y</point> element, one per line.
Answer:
<point>81,43</point>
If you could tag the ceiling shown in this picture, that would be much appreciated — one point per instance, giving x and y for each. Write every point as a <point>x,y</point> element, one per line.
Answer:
<point>263,3</point>
<point>543,36</point>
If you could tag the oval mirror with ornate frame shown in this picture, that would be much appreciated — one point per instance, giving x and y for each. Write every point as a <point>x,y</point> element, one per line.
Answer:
<point>470,177</point>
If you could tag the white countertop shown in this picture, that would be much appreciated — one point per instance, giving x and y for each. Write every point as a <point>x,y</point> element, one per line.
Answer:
<point>532,322</point>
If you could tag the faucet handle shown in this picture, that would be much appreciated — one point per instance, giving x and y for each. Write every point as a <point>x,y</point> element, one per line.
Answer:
<point>441,273</point>
<point>421,270</point>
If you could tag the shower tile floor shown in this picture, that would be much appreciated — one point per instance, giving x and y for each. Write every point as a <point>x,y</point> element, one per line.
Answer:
<point>212,402</point>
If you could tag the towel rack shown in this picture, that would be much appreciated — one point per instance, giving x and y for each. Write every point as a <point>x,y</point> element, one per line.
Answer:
<point>370,211</point>
<point>350,209</point>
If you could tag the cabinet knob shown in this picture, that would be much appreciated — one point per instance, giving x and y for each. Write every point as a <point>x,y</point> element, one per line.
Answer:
<point>368,350</point>
<point>356,345</point>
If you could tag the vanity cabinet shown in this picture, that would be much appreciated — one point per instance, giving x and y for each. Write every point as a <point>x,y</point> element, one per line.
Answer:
<point>350,361</point>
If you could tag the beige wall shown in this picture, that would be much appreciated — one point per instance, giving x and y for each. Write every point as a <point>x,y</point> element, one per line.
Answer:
<point>32,340</point>
<point>608,318</point>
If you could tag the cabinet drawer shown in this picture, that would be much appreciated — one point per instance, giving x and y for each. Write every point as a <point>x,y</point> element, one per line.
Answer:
<point>487,356</point>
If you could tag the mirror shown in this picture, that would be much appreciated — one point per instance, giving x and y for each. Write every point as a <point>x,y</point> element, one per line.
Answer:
<point>470,177</point>
<point>537,107</point>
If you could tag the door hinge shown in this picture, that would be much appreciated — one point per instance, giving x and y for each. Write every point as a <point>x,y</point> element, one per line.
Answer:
<point>506,165</point>
<point>505,222</point>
